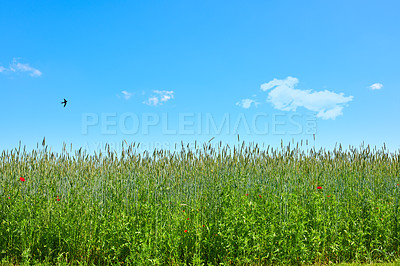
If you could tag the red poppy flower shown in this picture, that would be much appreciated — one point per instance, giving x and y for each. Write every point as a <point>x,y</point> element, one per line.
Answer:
<point>203,225</point>
<point>9,197</point>
<point>319,187</point>
<point>188,218</point>
<point>329,196</point>
<point>22,179</point>
<point>185,231</point>
<point>259,196</point>
<point>247,194</point>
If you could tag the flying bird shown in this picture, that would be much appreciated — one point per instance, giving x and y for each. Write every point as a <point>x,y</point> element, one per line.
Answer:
<point>64,102</point>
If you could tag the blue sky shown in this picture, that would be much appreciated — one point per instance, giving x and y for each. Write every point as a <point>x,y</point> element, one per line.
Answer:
<point>161,72</point>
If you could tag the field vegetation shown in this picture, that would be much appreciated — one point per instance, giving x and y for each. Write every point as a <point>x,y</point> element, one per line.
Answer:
<point>241,205</point>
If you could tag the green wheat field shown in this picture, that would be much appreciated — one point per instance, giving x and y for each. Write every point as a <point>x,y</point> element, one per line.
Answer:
<point>212,205</point>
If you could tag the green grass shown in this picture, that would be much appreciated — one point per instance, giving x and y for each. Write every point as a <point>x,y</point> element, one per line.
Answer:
<point>242,206</point>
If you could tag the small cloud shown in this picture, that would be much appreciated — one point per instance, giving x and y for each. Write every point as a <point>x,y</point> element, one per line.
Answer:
<point>165,95</point>
<point>16,66</point>
<point>19,67</point>
<point>376,86</point>
<point>127,95</point>
<point>162,97</point>
<point>246,103</point>
<point>285,97</point>
<point>288,82</point>
<point>153,101</point>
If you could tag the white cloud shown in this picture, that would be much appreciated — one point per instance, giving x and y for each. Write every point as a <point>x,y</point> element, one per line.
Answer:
<point>284,97</point>
<point>246,103</point>
<point>16,66</point>
<point>288,82</point>
<point>153,101</point>
<point>162,97</point>
<point>165,95</point>
<point>376,86</point>
<point>127,95</point>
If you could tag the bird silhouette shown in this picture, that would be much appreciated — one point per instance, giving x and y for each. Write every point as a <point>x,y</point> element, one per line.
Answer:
<point>64,102</point>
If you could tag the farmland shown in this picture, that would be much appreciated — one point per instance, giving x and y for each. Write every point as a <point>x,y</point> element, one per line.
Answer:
<point>217,204</point>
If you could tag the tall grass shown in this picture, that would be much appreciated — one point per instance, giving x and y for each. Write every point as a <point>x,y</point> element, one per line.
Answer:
<point>211,205</point>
